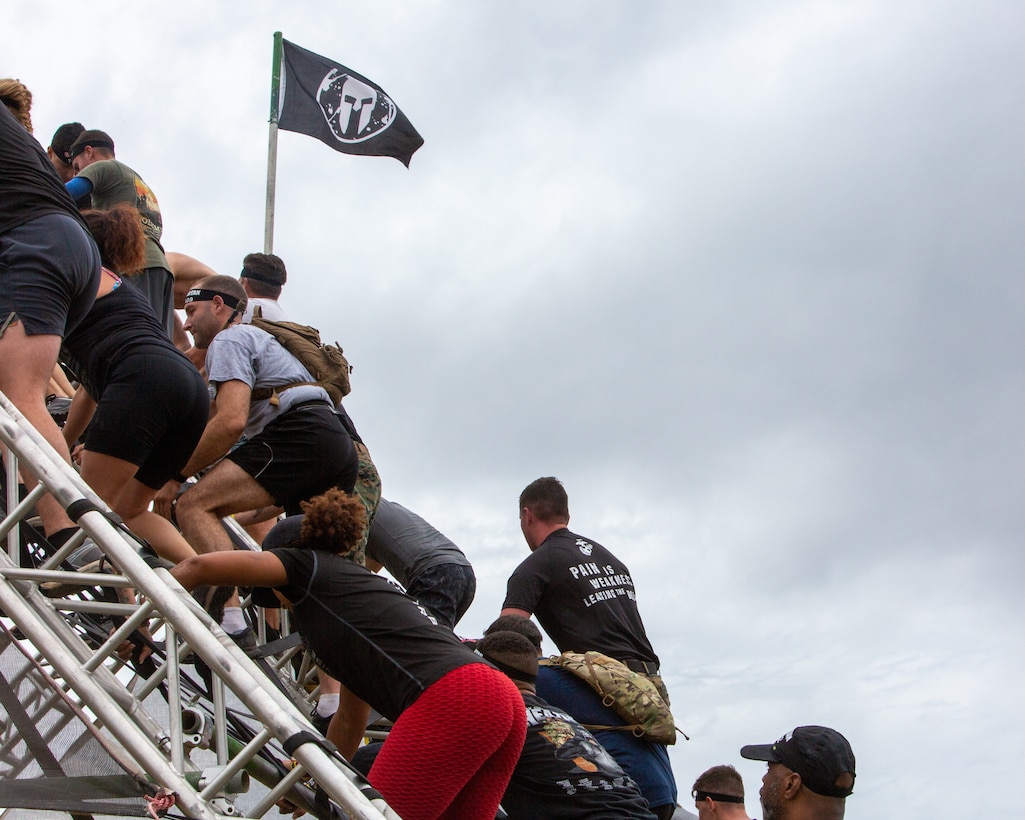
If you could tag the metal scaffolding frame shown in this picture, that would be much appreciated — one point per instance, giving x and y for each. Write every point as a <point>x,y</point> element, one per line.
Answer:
<point>103,691</point>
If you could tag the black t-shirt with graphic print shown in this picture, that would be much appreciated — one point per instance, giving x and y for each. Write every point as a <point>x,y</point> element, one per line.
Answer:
<point>381,644</point>
<point>564,773</point>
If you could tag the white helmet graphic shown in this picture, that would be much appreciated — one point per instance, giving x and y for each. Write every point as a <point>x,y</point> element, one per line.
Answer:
<point>354,110</point>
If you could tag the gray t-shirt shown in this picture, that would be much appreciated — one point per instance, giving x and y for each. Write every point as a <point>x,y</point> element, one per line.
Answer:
<point>248,354</point>
<point>407,545</point>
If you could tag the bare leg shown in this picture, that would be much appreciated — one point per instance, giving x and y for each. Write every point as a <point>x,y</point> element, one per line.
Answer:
<point>26,364</point>
<point>349,723</point>
<point>114,481</point>
<point>226,489</point>
<point>328,685</point>
<point>258,532</point>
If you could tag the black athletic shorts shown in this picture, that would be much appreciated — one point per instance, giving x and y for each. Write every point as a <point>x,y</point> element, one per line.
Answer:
<point>152,413</point>
<point>49,274</point>
<point>447,590</point>
<point>299,455</point>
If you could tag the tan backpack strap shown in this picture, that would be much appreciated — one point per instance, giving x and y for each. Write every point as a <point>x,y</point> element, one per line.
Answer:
<point>635,729</point>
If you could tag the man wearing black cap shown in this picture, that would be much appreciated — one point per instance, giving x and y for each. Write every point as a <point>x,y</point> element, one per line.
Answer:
<point>59,150</point>
<point>110,182</point>
<point>810,774</point>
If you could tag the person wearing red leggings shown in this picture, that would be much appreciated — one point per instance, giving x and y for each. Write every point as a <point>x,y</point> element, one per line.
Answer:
<point>459,723</point>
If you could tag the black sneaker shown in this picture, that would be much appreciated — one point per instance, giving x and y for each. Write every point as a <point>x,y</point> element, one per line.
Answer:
<point>320,723</point>
<point>245,640</point>
<point>213,599</point>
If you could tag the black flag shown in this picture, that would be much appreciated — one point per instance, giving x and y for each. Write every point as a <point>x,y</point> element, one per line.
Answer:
<point>341,108</point>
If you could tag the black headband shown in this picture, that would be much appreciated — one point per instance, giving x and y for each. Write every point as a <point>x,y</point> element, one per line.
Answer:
<point>203,295</point>
<point>248,274</point>
<point>719,798</point>
<point>511,671</point>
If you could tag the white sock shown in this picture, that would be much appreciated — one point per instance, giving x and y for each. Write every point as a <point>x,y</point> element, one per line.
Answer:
<point>327,705</point>
<point>232,622</point>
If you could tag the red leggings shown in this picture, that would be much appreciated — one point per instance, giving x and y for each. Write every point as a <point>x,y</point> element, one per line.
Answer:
<point>451,754</point>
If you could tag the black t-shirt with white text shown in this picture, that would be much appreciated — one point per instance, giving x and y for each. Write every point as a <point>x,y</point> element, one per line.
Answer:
<point>583,596</point>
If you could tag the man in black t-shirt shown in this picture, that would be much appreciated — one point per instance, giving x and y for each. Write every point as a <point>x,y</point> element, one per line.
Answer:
<point>563,771</point>
<point>584,598</point>
<point>582,594</point>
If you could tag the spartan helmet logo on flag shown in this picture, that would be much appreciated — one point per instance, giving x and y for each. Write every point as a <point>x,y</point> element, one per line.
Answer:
<point>341,108</point>
<point>354,110</point>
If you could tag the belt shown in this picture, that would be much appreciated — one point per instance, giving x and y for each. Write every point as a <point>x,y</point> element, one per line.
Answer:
<point>310,403</point>
<point>643,667</point>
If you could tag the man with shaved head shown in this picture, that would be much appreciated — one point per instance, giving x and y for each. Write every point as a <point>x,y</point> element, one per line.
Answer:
<point>584,598</point>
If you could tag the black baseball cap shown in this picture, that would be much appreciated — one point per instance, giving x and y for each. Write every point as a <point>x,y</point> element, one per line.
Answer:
<point>63,138</point>
<point>819,754</point>
<point>92,138</point>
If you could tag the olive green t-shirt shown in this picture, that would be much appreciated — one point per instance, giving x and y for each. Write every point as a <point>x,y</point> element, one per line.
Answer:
<point>114,183</point>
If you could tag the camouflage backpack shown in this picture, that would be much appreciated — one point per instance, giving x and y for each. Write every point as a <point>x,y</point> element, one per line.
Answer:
<point>326,363</point>
<point>633,697</point>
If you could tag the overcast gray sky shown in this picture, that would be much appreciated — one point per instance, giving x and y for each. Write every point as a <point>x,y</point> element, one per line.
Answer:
<point>745,276</point>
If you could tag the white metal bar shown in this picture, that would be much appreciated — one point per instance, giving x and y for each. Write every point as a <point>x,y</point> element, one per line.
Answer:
<point>119,710</point>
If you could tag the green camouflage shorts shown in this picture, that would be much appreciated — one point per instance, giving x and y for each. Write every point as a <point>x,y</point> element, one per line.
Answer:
<point>368,488</point>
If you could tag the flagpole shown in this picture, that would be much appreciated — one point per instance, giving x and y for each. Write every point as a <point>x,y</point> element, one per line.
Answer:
<point>272,146</point>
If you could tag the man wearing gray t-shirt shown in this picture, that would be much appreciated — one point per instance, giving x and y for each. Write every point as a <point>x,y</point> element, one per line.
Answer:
<point>429,566</point>
<point>296,446</point>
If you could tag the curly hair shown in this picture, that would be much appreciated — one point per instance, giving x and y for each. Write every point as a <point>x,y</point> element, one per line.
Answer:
<point>18,100</point>
<point>333,522</point>
<point>118,234</point>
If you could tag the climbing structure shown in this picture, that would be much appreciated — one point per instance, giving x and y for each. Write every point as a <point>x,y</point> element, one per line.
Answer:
<point>85,732</point>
